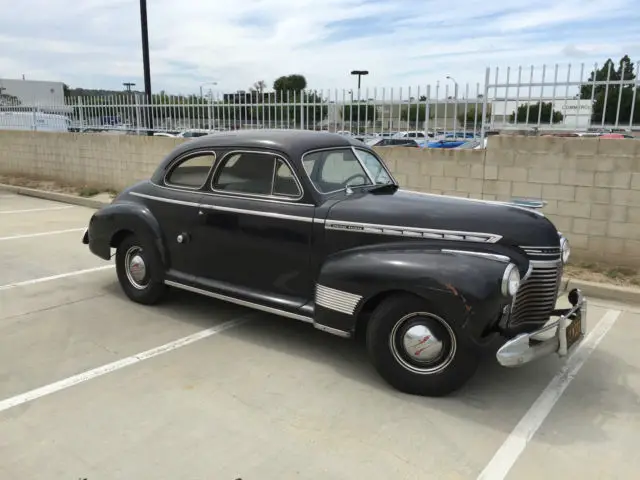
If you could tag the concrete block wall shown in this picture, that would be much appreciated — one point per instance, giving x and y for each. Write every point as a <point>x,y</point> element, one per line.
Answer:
<point>591,185</point>
<point>98,160</point>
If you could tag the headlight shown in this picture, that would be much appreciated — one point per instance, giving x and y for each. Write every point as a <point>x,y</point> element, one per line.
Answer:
<point>565,249</point>
<point>510,280</point>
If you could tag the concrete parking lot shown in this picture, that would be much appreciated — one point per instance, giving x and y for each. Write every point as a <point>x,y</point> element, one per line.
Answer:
<point>94,386</point>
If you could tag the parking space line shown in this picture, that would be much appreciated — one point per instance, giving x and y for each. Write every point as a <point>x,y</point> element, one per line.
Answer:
<point>36,209</point>
<point>41,234</point>
<point>516,442</point>
<point>54,277</point>
<point>118,364</point>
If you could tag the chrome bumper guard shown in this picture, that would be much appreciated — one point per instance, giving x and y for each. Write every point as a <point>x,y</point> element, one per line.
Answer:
<point>526,348</point>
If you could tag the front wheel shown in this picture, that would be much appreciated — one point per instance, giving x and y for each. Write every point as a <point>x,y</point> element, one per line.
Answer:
<point>416,349</point>
<point>136,264</point>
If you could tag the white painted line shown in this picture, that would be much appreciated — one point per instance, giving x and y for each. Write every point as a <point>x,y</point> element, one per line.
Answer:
<point>117,365</point>
<point>29,210</point>
<point>54,277</point>
<point>514,445</point>
<point>41,234</point>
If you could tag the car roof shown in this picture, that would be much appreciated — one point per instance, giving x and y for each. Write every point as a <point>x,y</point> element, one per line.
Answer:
<point>292,142</point>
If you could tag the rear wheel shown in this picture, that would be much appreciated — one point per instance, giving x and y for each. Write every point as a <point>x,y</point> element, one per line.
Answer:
<point>136,266</point>
<point>416,349</point>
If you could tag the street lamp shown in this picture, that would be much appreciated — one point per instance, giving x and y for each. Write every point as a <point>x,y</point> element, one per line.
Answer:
<point>128,85</point>
<point>455,105</point>
<point>359,73</point>
<point>455,84</point>
<point>207,83</point>
<point>210,109</point>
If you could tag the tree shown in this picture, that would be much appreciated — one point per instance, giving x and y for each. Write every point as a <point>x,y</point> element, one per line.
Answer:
<point>7,100</point>
<point>293,82</point>
<point>415,112</point>
<point>534,111</point>
<point>474,116</point>
<point>259,87</point>
<point>609,111</point>
<point>366,112</point>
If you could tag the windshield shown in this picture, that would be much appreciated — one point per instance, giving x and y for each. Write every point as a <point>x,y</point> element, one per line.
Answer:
<point>333,170</point>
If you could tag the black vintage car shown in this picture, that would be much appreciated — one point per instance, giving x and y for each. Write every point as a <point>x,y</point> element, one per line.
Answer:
<point>313,226</point>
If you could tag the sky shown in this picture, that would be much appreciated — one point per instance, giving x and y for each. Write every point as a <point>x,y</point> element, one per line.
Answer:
<point>402,43</point>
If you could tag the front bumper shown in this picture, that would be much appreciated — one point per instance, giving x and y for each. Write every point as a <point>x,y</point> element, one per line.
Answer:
<point>567,336</point>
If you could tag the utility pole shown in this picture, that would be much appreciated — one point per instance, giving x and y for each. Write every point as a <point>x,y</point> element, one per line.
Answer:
<point>145,61</point>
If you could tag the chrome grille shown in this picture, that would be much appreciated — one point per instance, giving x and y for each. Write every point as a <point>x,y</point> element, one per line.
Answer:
<point>537,295</point>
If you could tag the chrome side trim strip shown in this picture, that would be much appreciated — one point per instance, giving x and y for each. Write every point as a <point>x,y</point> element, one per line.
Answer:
<point>491,256</point>
<point>257,213</point>
<point>343,302</point>
<point>397,230</point>
<point>165,200</point>
<point>332,331</point>
<point>237,301</point>
<point>230,209</point>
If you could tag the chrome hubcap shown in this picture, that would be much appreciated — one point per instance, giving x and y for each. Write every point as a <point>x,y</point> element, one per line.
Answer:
<point>136,268</point>
<point>423,343</point>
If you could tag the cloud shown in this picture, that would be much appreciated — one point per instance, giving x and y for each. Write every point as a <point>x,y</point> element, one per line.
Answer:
<point>96,43</point>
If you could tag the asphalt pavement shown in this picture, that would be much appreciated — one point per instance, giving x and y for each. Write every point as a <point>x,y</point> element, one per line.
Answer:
<point>94,386</point>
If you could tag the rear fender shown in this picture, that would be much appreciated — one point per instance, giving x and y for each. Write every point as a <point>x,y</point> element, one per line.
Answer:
<point>112,221</point>
<point>464,288</point>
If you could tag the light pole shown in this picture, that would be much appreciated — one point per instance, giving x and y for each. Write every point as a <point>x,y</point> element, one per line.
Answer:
<point>210,109</point>
<point>359,73</point>
<point>206,83</point>
<point>128,85</point>
<point>145,62</point>
<point>455,105</point>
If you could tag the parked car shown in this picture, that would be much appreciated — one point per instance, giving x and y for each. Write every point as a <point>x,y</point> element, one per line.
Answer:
<point>391,142</point>
<point>445,143</point>
<point>313,226</point>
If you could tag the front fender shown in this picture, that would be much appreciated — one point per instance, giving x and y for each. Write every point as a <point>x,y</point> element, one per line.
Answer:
<point>464,288</point>
<point>111,221</point>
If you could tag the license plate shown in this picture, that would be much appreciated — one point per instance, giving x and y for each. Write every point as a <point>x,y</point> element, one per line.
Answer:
<point>574,331</point>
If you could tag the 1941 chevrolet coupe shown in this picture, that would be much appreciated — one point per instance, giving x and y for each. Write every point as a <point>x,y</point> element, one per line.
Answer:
<point>313,226</point>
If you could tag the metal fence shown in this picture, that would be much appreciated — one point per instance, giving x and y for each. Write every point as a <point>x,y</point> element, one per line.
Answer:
<point>560,98</point>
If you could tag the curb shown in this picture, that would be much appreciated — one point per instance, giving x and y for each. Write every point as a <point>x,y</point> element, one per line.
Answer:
<point>601,291</point>
<point>55,196</point>
<point>604,291</point>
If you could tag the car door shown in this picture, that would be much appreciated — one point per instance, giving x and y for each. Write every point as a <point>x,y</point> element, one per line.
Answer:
<point>257,230</point>
<point>175,205</point>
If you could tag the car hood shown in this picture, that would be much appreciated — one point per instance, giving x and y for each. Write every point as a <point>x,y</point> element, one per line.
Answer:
<point>516,225</point>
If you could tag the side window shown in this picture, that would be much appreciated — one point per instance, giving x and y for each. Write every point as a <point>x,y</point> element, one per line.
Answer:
<point>256,173</point>
<point>191,172</point>
<point>284,183</point>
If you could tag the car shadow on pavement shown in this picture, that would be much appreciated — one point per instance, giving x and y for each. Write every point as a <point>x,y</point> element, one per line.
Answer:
<point>496,397</point>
